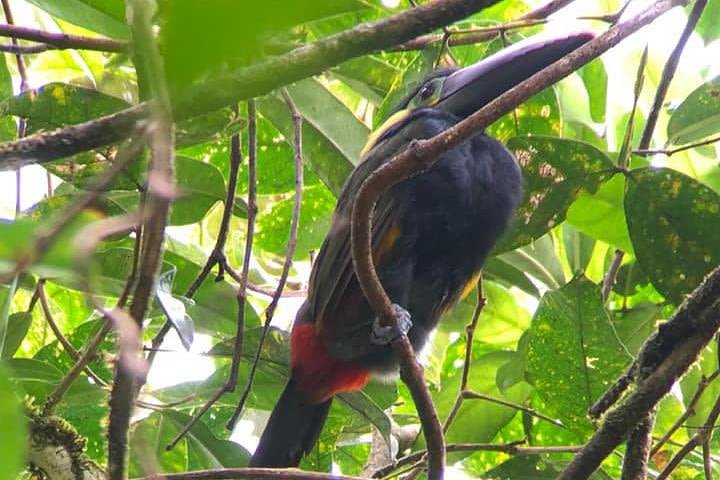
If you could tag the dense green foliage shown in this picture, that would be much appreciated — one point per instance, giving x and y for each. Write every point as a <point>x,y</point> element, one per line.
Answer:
<point>545,340</point>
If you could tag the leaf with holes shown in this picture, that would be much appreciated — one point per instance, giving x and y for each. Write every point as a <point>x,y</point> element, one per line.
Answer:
<point>674,227</point>
<point>556,171</point>
<point>697,116</point>
<point>573,353</point>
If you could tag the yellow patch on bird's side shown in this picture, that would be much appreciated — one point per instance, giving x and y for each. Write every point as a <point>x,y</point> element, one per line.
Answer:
<point>386,243</point>
<point>372,138</point>
<point>470,286</point>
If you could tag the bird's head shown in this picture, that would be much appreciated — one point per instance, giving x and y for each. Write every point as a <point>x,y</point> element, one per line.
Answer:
<point>461,92</point>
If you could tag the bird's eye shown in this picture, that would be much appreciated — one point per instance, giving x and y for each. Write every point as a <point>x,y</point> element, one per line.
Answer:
<point>427,92</point>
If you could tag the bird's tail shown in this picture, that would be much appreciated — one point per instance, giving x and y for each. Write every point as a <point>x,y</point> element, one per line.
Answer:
<point>292,430</point>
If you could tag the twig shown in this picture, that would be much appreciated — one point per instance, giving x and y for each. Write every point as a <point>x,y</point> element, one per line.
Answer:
<point>469,394</point>
<point>469,336</point>
<point>471,36</point>
<point>69,348</point>
<point>666,356</point>
<point>229,385</point>
<point>419,155</point>
<point>161,188</point>
<point>611,276</point>
<point>292,242</point>
<point>250,473</point>
<point>689,411</point>
<point>245,83</point>
<point>669,72</point>
<point>701,437</point>
<point>672,151</point>
<point>63,40</point>
<point>25,49</point>
<point>512,448</point>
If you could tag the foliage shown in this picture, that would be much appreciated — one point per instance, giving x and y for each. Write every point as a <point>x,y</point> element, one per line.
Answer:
<point>546,342</point>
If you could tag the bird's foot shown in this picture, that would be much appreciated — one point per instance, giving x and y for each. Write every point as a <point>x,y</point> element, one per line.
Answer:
<point>381,335</point>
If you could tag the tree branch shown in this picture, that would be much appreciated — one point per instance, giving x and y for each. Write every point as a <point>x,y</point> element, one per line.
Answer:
<point>63,40</point>
<point>245,83</point>
<point>161,187</point>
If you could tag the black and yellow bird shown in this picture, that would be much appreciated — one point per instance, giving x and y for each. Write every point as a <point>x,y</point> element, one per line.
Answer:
<point>431,235</point>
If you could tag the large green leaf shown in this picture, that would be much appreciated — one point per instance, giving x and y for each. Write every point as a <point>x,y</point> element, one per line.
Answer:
<point>480,420</point>
<point>697,116</point>
<point>673,223</point>
<point>708,26</point>
<point>205,450</point>
<point>200,185</point>
<point>148,439</point>
<point>315,212</point>
<point>369,76</point>
<point>573,353</point>
<point>38,379</point>
<point>8,128</point>
<point>7,292</point>
<point>56,105</point>
<point>103,16</point>
<point>18,325</point>
<point>556,171</point>
<point>13,431</point>
<point>601,215</point>
<point>332,136</point>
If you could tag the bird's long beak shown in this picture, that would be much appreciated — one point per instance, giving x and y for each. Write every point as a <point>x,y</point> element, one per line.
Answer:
<point>471,88</point>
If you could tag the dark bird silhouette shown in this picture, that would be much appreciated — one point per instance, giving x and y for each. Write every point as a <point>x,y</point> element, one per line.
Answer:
<point>431,235</point>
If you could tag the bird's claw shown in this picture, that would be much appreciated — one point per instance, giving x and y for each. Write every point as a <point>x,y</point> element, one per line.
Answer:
<point>381,335</point>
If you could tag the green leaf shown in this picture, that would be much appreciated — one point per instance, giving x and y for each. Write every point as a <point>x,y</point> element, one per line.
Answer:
<point>673,223</point>
<point>708,26</point>
<point>697,116</point>
<point>601,215</point>
<point>55,105</point>
<point>540,260</point>
<point>13,432</point>
<point>480,420</point>
<point>635,325</point>
<point>200,184</point>
<point>148,439</point>
<point>38,379</point>
<point>211,126</point>
<point>103,16</point>
<point>556,171</point>
<point>7,292</point>
<point>174,309</point>
<point>363,405</point>
<point>369,76</point>
<point>332,136</point>
<point>18,325</point>
<point>315,212</point>
<point>205,450</point>
<point>8,127</point>
<point>573,352</point>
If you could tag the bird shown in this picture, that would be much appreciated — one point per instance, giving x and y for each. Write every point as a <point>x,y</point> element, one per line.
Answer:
<point>431,235</point>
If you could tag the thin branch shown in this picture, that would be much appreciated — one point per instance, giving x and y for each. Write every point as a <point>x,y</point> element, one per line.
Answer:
<point>512,448</point>
<point>249,473</point>
<point>161,188</point>
<point>248,82</point>
<point>703,434</point>
<point>69,348</point>
<point>292,242</point>
<point>611,276</point>
<point>469,394</point>
<point>63,40</point>
<point>229,385</point>
<point>25,49</point>
<point>534,17</point>
<point>669,72</point>
<point>672,151</point>
<point>689,411</point>
<point>469,336</point>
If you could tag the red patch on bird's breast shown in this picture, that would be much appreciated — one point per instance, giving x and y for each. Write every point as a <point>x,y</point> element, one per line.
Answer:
<point>319,375</point>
